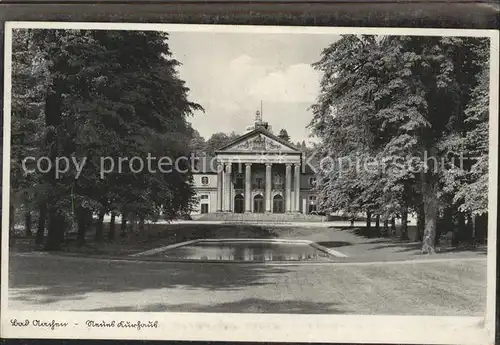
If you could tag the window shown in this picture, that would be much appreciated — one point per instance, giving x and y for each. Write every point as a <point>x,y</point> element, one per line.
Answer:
<point>204,197</point>
<point>238,183</point>
<point>278,182</point>
<point>312,181</point>
<point>204,180</point>
<point>312,198</point>
<point>259,183</point>
<point>204,208</point>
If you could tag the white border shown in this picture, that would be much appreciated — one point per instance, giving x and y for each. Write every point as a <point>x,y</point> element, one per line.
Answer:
<point>265,327</point>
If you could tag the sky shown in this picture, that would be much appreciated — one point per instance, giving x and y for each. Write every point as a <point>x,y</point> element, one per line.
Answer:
<point>229,74</point>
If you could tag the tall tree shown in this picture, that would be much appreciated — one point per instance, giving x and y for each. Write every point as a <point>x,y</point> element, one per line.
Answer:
<point>393,98</point>
<point>110,94</point>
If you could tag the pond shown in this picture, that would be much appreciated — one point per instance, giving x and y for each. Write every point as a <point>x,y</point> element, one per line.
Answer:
<point>246,251</point>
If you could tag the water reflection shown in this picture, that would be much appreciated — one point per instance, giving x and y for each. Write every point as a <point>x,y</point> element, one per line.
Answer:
<point>247,251</point>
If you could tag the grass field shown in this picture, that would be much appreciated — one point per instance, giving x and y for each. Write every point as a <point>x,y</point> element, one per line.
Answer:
<point>447,287</point>
<point>379,276</point>
<point>356,242</point>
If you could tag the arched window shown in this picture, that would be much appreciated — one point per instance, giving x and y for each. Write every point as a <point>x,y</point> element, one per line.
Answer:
<point>258,204</point>
<point>278,204</point>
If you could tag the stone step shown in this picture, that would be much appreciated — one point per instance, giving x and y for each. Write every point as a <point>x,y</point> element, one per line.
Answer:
<point>261,217</point>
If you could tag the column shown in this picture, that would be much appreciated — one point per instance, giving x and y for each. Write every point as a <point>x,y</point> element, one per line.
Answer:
<point>268,188</point>
<point>248,187</point>
<point>229,196</point>
<point>224,187</point>
<point>220,169</point>
<point>288,187</point>
<point>227,181</point>
<point>296,174</point>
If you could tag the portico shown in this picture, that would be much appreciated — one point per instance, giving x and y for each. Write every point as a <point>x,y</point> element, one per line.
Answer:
<point>247,185</point>
<point>256,173</point>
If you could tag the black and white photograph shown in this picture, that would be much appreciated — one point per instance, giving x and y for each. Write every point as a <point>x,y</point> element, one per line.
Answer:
<point>343,176</point>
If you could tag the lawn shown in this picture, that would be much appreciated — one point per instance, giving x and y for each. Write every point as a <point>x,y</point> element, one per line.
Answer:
<point>155,235</point>
<point>445,287</point>
<point>356,242</point>
<point>455,284</point>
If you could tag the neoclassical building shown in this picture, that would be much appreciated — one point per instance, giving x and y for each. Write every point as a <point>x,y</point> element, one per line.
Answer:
<point>256,173</point>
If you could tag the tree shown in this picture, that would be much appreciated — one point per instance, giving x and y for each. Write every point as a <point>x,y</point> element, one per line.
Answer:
<point>108,94</point>
<point>198,144</point>
<point>217,141</point>
<point>284,135</point>
<point>467,181</point>
<point>343,120</point>
<point>29,86</point>
<point>390,98</point>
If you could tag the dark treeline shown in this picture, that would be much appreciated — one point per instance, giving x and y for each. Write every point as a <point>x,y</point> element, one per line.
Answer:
<point>92,94</point>
<point>397,101</point>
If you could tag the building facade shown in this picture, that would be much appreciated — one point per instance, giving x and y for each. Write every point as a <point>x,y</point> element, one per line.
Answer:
<point>256,173</point>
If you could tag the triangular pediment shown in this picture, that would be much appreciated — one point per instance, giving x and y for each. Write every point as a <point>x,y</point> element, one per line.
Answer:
<point>257,141</point>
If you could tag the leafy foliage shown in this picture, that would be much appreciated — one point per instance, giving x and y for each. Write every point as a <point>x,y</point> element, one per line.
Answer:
<point>403,104</point>
<point>283,134</point>
<point>88,95</point>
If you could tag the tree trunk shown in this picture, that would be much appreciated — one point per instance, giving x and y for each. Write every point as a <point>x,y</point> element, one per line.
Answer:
<point>469,229</point>
<point>141,225</point>
<point>429,192</point>
<point>55,230</point>
<point>368,220</point>
<point>385,232</point>
<point>461,229</point>
<point>473,222</point>
<point>404,224</point>
<point>55,236</point>
<point>131,224</point>
<point>40,232</point>
<point>377,224</point>
<point>444,225</point>
<point>99,227</point>
<point>27,224</point>
<point>12,221</point>
<point>419,234</point>
<point>82,221</point>
<point>123,225</point>
<point>393,226</point>
<point>111,233</point>
<point>481,228</point>
<point>53,110</point>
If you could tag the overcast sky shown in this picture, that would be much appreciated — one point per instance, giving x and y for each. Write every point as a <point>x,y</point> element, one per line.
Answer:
<point>229,74</point>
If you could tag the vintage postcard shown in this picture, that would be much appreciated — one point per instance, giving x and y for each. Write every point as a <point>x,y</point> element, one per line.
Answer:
<point>249,183</point>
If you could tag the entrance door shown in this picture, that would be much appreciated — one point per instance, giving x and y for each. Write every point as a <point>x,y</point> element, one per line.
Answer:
<point>239,203</point>
<point>204,208</point>
<point>278,204</point>
<point>258,204</point>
